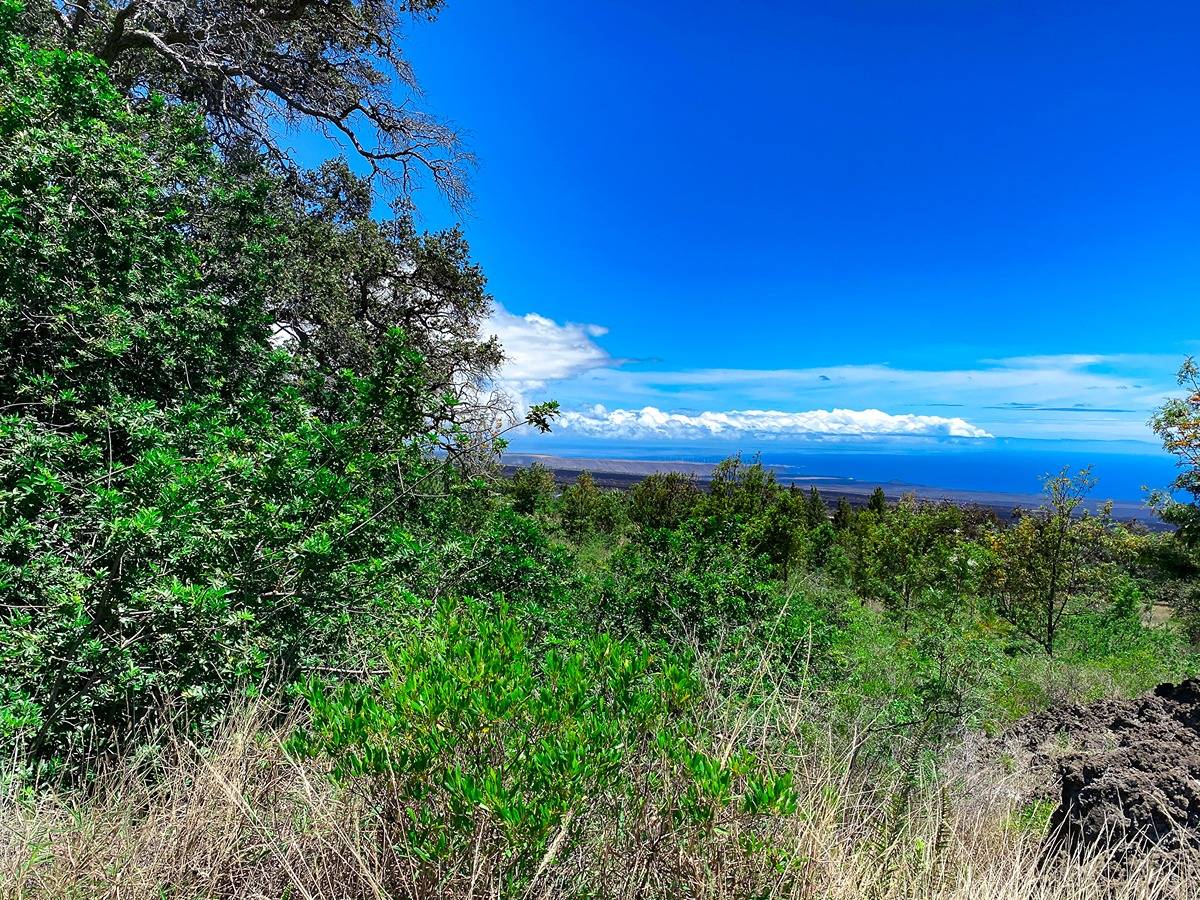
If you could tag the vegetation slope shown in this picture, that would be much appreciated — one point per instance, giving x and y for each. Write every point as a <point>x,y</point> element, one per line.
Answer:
<point>272,625</point>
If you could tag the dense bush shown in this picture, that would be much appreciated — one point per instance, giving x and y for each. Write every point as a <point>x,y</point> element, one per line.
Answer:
<point>186,509</point>
<point>687,582</point>
<point>586,509</point>
<point>913,558</point>
<point>477,739</point>
<point>531,488</point>
<point>663,500</point>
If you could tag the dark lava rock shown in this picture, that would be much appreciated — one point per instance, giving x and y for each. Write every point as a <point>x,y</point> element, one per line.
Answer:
<point>1129,772</point>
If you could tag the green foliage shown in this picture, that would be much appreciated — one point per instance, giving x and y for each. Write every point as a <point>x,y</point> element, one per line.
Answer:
<point>476,735</point>
<point>927,680</point>
<point>816,513</point>
<point>222,552</point>
<point>1169,571</point>
<point>821,540</point>
<point>778,532</point>
<point>913,558</point>
<point>663,500</point>
<point>915,635</point>
<point>1177,423</point>
<point>185,510</point>
<point>686,582</point>
<point>586,509</point>
<point>1052,556</point>
<point>843,514</point>
<point>531,489</point>
<point>740,492</point>
<point>1033,817</point>
<point>511,558</point>
<point>103,302</point>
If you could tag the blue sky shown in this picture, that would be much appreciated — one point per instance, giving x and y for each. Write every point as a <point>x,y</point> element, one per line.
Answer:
<point>962,218</point>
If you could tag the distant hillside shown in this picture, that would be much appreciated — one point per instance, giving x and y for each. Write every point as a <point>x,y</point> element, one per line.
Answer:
<point>622,473</point>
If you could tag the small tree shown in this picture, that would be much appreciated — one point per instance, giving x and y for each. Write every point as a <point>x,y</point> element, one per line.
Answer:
<point>663,500</point>
<point>1043,560</point>
<point>878,501</point>
<point>740,491</point>
<point>843,514</point>
<point>531,488</point>
<point>779,532</point>
<point>820,542</point>
<point>815,512</point>
<point>911,557</point>
<point>586,508</point>
<point>1177,423</point>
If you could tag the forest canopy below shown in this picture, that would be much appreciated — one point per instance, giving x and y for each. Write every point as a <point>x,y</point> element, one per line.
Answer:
<point>250,438</point>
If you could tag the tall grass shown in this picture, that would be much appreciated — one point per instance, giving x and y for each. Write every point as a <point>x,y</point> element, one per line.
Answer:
<point>240,818</point>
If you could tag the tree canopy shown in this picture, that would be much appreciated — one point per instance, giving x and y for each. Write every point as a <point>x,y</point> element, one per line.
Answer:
<point>255,69</point>
<point>187,501</point>
<point>1177,423</point>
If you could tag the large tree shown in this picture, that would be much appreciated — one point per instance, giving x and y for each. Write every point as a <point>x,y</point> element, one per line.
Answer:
<point>183,506</point>
<point>258,67</point>
<point>351,278</point>
<point>340,278</point>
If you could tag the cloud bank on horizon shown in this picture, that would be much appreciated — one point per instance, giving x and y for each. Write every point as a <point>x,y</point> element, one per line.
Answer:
<point>1080,396</point>
<point>651,422</point>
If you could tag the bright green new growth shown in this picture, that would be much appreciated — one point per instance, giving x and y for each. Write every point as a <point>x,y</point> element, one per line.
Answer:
<point>475,735</point>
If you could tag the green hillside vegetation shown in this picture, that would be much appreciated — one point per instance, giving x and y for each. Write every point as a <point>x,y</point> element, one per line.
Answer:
<point>272,624</point>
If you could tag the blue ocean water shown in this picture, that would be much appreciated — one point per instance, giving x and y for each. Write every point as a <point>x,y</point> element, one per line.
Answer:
<point>1124,470</point>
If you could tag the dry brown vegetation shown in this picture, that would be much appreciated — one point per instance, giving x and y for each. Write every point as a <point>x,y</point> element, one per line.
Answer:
<point>243,819</point>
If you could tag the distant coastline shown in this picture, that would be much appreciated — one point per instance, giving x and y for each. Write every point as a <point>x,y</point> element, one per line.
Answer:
<point>624,473</point>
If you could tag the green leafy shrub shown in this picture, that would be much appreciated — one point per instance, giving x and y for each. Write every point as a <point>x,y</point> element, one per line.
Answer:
<point>585,509</point>
<point>779,532</point>
<point>912,558</point>
<point>926,681</point>
<point>478,738</point>
<point>738,492</point>
<point>531,488</point>
<point>188,575</point>
<point>685,582</point>
<point>511,558</point>
<point>663,500</point>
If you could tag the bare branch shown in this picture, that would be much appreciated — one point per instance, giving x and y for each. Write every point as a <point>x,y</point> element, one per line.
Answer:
<point>257,67</point>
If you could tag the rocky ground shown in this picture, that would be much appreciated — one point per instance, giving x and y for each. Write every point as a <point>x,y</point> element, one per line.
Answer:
<point>1125,773</point>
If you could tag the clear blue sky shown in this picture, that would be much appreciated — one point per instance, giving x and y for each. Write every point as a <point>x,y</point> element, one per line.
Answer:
<point>809,206</point>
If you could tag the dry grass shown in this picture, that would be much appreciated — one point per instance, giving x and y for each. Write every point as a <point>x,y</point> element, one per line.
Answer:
<point>243,820</point>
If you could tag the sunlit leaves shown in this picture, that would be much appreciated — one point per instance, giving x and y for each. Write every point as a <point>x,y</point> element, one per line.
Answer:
<point>475,730</point>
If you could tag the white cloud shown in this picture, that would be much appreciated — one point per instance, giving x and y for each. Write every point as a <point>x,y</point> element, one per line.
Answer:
<point>1078,395</point>
<point>1048,380</point>
<point>653,422</point>
<point>538,350</point>
<point>1050,361</point>
<point>1083,396</point>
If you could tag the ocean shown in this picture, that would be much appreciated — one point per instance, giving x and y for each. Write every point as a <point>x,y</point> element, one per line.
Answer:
<point>1125,471</point>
